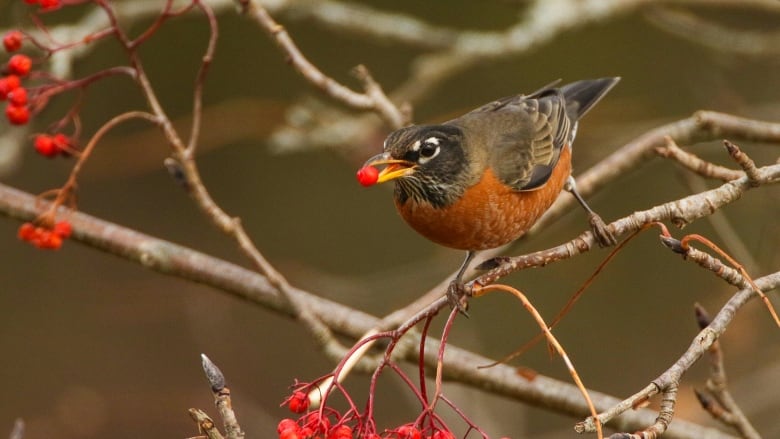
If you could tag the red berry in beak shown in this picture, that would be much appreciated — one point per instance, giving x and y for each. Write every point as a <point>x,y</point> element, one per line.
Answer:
<point>368,175</point>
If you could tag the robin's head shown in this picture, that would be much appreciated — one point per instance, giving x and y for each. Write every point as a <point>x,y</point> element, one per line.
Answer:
<point>427,163</point>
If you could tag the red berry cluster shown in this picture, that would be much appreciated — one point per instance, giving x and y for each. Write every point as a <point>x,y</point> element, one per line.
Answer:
<point>409,431</point>
<point>44,238</point>
<point>51,146</point>
<point>18,66</point>
<point>312,426</point>
<point>329,423</point>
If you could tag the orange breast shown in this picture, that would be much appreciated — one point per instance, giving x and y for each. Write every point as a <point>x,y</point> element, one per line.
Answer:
<point>489,214</point>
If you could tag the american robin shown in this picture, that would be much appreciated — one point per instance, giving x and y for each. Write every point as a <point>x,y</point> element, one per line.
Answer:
<point>482,180</point>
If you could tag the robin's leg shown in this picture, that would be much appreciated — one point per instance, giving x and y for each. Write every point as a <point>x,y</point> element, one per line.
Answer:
<point>456,294</point>
<point>603,236</point>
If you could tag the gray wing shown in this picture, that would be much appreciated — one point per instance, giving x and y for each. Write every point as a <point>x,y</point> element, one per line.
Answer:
<point>525,134</point>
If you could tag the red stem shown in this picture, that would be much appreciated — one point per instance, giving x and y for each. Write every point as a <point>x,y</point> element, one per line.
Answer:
<point>421,363</point>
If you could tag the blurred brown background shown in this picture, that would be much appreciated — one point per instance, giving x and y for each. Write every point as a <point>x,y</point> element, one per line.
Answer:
<point>94,346</point>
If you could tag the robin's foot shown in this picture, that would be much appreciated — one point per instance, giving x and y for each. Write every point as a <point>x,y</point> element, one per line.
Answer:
<point>457,297</point>
<point>601,232</point>
<point>603,235</point>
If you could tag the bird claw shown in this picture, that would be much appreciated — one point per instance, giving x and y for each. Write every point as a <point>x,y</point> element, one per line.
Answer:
<point>458,297</point>
<point>601,232</point>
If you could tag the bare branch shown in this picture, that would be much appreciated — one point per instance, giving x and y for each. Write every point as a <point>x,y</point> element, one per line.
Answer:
<point>205,424</point>
<point>726,231</point>
<point>695,163</point>
<point>701,344</point>
<point>197,101</point>
<point>693,28</point>
<point>745,162</point>
<point>726,408</point>
<point>679,212</point>
<point>373,98</point>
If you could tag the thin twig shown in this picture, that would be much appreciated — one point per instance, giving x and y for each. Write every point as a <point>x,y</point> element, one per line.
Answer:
<point>550,339</point>
<point>696,164</point>
<point>222,399</point>
<point>205,424</point>
<point>200,80</point>
<point>701,344</point>
<point>725,229</point>
<point>714,36</point>
<point>373,99</point>
<point>736,276</point>
<point>745,162</point>
<point>726,408</point>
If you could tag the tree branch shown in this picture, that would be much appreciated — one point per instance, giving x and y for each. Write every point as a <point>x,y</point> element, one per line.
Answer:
<point>373,99</point>
<point>701,344</point>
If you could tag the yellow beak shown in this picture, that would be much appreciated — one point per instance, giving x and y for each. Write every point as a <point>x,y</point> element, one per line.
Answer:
<point>394,168</point>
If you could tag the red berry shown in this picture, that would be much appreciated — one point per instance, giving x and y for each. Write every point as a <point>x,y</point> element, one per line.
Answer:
<point>45,145</point>
<point>63,229</point>
<point>46,239</point>
<point>26,232</point>
<point>17,115</point>
<point>7,85</point>
<point>286,424</point>
<point>408,432</point>
<point>299,402</point>
<point>290,434</point>
<point>13,82</point>
<point>442,434</point>
<point>20,64</point>
<point>52,242</point>
<point>12,40</point>
<point>341,432</point>
<point>35,236</point>
<point>367,175</point>
<point>62,143</point>
<point>18,96</point>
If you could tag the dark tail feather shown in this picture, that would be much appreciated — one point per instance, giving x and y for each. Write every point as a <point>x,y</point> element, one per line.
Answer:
<point>582,95</point>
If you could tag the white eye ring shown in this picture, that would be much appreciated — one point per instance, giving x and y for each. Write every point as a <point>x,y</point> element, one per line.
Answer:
<point>423,157</point>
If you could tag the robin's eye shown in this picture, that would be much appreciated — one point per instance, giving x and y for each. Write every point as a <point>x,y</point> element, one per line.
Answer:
<point>427,150</point>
